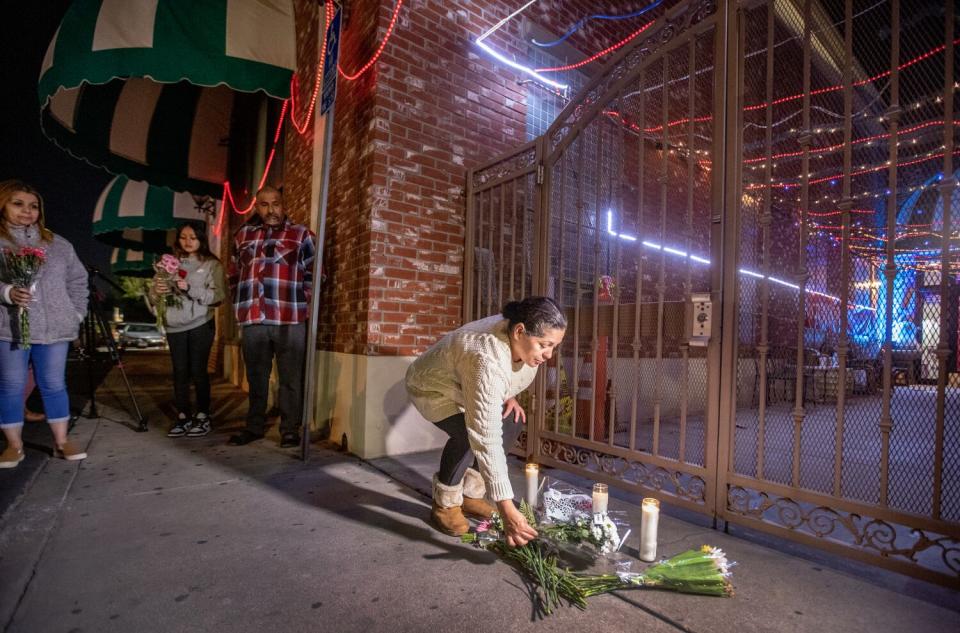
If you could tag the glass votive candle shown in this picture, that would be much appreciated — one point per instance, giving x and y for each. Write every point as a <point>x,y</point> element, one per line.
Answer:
<point>600,498</point>
<point>649,518</point>
<point>532,475</point>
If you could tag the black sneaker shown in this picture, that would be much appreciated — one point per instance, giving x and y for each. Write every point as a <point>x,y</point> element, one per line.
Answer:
<point>289,439</point>
<point>181,427</point>
<point>244,437</point>
<point>200,426</point>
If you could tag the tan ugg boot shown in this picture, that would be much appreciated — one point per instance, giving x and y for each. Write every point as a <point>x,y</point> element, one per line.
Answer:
<point>447,514</point>
<point>474,491</point>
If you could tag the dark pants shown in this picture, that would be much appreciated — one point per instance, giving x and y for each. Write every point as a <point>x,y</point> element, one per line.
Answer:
<point>457,456</point>
<point>190,351</point>
<point>288,343</point>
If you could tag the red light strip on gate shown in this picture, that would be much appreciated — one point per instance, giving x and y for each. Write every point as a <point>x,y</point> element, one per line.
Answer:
<point>706,164</point>
<point>868,170</point>
<point>856,84</point>
<point>824,214</point>
<point>596,56</point>
<point>823,150</point>
<point>838,146</point>
<point>383,44</point>
<point>819,91</point>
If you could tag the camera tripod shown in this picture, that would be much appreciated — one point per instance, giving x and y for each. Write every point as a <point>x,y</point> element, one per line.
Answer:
<point>96,323</point>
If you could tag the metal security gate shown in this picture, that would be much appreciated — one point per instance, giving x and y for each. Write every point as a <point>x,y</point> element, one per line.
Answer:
<point>751,218</point>
<point>504,207</point>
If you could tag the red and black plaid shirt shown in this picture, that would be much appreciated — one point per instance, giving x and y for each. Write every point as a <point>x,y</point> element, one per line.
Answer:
<point>271,273</point>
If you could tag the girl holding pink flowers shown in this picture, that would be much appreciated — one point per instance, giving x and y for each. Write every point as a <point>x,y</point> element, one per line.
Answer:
<point>186,289</point>
<point>43,299</point>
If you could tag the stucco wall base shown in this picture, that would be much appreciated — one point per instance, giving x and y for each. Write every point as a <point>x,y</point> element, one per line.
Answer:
<point>363,399</point>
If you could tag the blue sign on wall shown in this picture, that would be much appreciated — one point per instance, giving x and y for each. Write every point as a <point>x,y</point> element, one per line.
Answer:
<point>330,63</point>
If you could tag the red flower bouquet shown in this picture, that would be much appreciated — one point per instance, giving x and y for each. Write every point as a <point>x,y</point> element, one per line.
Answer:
<point>19,269</point>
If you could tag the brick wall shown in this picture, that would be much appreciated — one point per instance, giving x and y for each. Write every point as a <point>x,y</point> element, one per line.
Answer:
<point>298,149</point>
<point>441,108</point>
<point>343,319</point>
<point>405,132</point>
<point>346,257</point>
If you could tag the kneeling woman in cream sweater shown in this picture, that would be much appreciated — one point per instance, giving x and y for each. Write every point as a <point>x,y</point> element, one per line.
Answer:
<point>466,384</point>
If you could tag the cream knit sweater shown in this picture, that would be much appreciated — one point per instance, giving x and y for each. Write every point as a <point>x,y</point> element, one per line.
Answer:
<point>471,371</point>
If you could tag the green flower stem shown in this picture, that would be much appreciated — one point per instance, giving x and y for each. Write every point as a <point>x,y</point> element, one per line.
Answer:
<point>24,328</point>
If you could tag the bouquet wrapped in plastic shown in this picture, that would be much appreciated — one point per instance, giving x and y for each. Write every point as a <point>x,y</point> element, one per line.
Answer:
<point>568,520</point>
<point>568,517</point>
<point>167,271</point>
<point>20,269</point>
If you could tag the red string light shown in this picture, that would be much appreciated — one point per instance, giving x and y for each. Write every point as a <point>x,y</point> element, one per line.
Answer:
<point>838,146</point>
<point>289,105</point>
<point>227,191</point>
<point>856,84</point>
<point>383,44</point>
<point>868,170</point>
<point>317,81</point>
<point>918,252</point>
<point>818,91</point>
<point>824,214</point>
<point>596,56</point>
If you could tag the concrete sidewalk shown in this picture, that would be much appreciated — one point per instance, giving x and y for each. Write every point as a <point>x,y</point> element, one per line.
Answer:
<point>153,534</point>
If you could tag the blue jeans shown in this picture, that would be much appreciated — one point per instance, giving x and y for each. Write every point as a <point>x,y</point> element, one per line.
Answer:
<point>49,369</point>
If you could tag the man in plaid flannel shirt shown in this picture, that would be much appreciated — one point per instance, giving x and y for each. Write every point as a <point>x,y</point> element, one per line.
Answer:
<point>271,277</point>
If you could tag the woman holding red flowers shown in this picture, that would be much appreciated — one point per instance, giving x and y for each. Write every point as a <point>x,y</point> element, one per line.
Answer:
<point>198,286</point>
<point>38,320</point>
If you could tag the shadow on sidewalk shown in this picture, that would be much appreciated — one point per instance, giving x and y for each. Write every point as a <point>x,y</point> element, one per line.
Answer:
<point>317,483</point>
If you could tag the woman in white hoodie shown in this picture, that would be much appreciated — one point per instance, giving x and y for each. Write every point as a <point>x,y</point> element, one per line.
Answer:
<point>190,326</point>
<point>466,384</point>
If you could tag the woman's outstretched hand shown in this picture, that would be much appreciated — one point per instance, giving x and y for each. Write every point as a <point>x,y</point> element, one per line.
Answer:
<point>518,531</point>
<point>512,406</point>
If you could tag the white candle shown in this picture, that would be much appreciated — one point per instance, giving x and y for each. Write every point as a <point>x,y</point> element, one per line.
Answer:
<point>648,529</point>
<point>532,474</point>
<point>600,498</point>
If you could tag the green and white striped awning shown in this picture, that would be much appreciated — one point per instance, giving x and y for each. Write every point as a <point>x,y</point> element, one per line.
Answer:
<point>148,88</point>
<point>134,214</point>
<point>131,263</point>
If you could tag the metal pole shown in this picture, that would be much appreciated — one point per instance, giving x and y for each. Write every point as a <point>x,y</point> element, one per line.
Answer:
<point>308,374</point>
<point>310,386</point>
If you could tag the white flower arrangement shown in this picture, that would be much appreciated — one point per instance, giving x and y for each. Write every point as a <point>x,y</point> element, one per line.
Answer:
<point>605,533</point>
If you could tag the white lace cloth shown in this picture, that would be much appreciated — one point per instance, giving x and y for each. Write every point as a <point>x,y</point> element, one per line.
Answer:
<point>563,507</point>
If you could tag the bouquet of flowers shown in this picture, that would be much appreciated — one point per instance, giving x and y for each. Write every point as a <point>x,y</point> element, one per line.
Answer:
<point>705,571</point>
<point>168,271</point>
<point>606,288</point>
<point>568,518</point>
<point>550,582</point>
<point>20,269</point>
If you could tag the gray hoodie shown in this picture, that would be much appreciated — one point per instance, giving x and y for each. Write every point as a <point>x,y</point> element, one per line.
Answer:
<point>206,290</point>
<point>60,294</point>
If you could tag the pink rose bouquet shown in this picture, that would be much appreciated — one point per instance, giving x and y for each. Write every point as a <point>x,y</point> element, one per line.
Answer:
<point>167,270</point>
